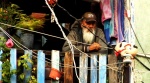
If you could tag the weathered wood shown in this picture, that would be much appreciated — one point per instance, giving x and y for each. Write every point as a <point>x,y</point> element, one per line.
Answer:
<point>28,71</point>
<point>102,68</point>
<point>41,67</point>
<point>13,60</point>
<point>83,71</point>
<point>112,73</point>
<point>55,57</point>
<point>93,75</point>
<point>68,70</point>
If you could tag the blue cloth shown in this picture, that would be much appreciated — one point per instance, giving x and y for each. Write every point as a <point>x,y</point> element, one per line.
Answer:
<point>107,30</point>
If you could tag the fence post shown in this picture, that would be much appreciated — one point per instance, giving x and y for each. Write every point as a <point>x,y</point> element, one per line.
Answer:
<point>93,75</point>
<point>1,66</point>
<point>102,67</point>
<point>55,57</point>
<point>28,71</point>
<point>83,71</point>
<point>68,70</point>
<point>13,62</point>
<point>112,73</point>
<point>41,67</point>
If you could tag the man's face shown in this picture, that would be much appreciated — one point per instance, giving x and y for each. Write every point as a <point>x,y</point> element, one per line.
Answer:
<point>88,24</point>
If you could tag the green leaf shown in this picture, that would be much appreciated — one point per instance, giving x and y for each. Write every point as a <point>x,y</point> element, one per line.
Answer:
<point>21,76</point>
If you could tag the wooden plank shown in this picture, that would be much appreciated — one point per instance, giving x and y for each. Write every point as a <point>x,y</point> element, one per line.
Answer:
<point>41,67</point>
<point>102,68</point>
<point>93,75</point>
<point>83,71</point>
<point>13,62</point>
<point>28,71</point>
<point>1,66</point>
<point>68,70</point>
<point>55,57</point>
<point>112,73</point>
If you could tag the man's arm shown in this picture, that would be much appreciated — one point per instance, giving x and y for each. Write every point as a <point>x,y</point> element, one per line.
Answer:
<point>101,39</point>
<point>72,36</point>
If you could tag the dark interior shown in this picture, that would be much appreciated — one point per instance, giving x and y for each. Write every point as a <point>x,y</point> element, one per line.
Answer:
<point>75,7</point>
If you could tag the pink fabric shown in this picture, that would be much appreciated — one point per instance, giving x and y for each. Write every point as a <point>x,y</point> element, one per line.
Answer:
<point>116,19</point>
<point>106,10</point>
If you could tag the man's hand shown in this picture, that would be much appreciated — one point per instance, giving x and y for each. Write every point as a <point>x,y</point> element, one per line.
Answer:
<point>94,46</point>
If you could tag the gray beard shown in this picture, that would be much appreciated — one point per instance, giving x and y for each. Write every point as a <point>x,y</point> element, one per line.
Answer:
<point>88,36</point>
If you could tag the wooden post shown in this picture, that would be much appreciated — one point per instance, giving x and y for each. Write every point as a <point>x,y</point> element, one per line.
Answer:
<point>93,74</point>
<point>13,62</point>
<point>83,71</point>
<point>41,67</point>
<point>112,73</point>
<point>27,71</point>
<point>68,70</point>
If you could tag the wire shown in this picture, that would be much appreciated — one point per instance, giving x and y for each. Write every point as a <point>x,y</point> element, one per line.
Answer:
<point>68,41</point>
<point>101,39</point>
<point>45,34</point>
<point>142,64</point>
<point>138,43</point>
<point>66,11</point>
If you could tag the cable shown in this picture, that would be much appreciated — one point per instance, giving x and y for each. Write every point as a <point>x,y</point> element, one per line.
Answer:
<point>66,11</point>
<point>44,34</point>
<point>100,39</point>
<point>138,41</point>
<point>68,41</point>
<point>142,63</point>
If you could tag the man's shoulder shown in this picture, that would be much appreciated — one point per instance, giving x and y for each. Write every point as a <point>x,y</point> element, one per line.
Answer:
<point>99,29</point>
<point>76,23</point>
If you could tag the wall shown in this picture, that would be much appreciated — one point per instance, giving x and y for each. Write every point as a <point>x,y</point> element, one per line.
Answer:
<point>142,23</point>
<point>142,30</point>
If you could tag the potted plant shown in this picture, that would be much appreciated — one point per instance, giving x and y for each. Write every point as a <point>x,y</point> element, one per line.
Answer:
<point>8,14</point>
<point>27,24</point>
<point>30,23</point>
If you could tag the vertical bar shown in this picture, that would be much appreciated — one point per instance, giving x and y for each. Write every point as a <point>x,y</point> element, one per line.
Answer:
<point>102,68</point>
<point>112,74</point>
<point>13,59</point>
<point>41,67</point>
<point>28,72</point>
<point>132,72</point>
<point>126,73</point>
<point>83,70</point>
<point>55,62</point>
<point>1,66</point>
<point>68,70</point>
<point>93,75</point>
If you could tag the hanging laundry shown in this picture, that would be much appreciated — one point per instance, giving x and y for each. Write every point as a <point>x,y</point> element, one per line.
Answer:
<point>120,21</point>
<point>106,16</point>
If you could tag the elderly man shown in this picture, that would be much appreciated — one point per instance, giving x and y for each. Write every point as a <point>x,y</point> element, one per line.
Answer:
<point>86,31</point>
